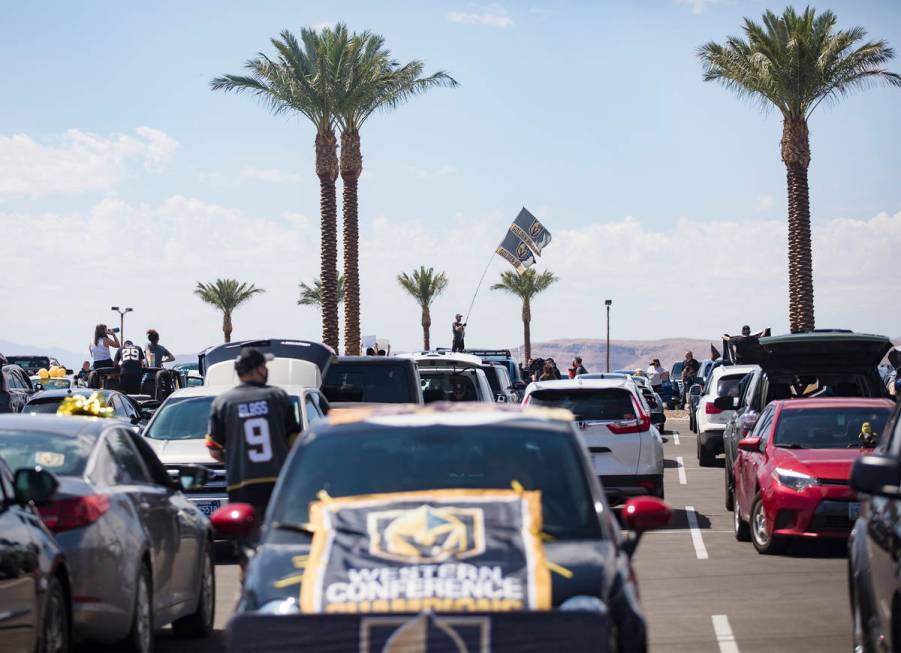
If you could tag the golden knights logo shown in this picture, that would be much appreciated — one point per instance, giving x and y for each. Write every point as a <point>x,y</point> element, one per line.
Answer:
<point>535,229</point>
<point>523,252</point>
<point>426,534</point>
<point>425,632</point>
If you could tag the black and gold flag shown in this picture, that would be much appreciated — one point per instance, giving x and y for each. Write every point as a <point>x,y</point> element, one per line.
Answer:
<point>531,231</point>
<point>516,252</point>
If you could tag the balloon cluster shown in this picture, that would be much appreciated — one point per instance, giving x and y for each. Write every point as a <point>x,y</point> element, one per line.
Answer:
<point>93,406</point>
<point>54,372</point>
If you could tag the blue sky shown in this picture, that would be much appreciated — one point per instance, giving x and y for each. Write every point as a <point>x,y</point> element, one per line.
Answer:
<point>593,115</point>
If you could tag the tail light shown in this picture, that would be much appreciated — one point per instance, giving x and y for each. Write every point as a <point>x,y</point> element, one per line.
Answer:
<point>710,409</point>
<point>640,425</point>
<point>66,514</point>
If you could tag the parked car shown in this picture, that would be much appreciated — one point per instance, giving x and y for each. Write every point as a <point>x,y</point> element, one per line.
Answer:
<point>801,365</point>
<point>18,385</point>
<point>698,388</point>
<point>32,364</point>
<point>874,575</point>
<point>140,554</point>
<point>624,446</point>
<point>675,377</point>
<point>477,447</point>
<point>356,380</point>
<point>505,358</point>
<point>500,383</point>
<point>725,381</point>
<point>452,377</point>
<point>124,406</point>
<point>792,472</point>
<point>35,583</point>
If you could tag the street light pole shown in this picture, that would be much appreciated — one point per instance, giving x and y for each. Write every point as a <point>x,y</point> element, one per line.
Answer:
<point>121,321</point>
<point>607,303</point>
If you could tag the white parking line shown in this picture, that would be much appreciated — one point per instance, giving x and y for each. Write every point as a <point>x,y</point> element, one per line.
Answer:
<point>676,438</point>
<point>723,632</point>
<point>696,539</point>
<point>681,463</point>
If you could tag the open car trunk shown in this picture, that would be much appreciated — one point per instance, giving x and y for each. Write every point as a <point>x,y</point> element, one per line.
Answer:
<point>304,350</point>
<point>822,352</point>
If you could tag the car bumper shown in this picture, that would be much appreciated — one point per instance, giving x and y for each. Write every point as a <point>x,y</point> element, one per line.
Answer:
<point>712,439</point>
<point>816,513</point>
<point>620,488</point>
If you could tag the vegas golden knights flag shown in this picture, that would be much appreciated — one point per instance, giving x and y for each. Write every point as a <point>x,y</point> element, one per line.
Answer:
<point>516,252</point>
<point>531,231</point>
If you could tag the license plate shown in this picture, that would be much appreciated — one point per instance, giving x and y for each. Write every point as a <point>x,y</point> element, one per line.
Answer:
<point>853,510</point>
<point>208,507</point>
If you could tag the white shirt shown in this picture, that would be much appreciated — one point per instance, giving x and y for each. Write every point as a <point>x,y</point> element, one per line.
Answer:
<point>655,375</point>
<point>100,352</point>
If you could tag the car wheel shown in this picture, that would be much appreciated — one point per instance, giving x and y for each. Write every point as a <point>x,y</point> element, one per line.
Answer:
<point>54,636</point>
<point>763,541</point>
<point>140,637</point>
<point>857,631</point>
<point>727,482</point>
<point>200,622</point>
<point>706,457</point>
<point>742,530</point>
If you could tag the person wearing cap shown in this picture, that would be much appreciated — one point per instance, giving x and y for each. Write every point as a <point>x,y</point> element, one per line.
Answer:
<point>459,331</point>
<point>251,430</point>
<point>131,362</point>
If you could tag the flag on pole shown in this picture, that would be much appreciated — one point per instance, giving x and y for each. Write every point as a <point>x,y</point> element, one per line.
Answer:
<point>531,231</point>
<point>516,252</point>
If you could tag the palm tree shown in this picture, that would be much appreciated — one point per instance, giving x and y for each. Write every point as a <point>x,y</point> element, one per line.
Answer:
<point>526,286</point>
<point>301,80</point>
<point>312,295</point>
<point>226,295</point>
<point>795,62</point>
<point>424,285</point>
<point>369,80</point>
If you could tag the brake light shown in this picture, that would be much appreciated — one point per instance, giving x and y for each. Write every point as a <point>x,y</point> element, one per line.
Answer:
<point>640,425</point>
<point>66,514</point>
<point>710,409</point>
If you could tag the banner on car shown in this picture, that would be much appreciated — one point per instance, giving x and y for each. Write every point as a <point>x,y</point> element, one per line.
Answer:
<point>455,550</point>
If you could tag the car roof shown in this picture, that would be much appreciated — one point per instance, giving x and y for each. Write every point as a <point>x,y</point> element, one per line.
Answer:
<point>448,414</point>
<point>834,402</point>
<point>68,392</point>
<point>591,384</point>
<point>733,370</point>
<point>58,424</point>
<point>373,360</point>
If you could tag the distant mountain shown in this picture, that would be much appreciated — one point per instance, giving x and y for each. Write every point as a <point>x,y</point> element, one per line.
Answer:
<point>624,354</point>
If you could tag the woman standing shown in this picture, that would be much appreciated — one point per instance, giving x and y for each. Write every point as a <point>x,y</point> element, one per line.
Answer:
<point>104,338</point>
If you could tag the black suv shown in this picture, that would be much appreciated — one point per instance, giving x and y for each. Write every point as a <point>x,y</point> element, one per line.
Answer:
<point>16,382</point>
<point>356,380</point>
<point>874,573</point>
<point>801,365</point>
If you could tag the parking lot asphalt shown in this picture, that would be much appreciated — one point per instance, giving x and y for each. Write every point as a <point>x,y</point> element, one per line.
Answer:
<point>701,589</point>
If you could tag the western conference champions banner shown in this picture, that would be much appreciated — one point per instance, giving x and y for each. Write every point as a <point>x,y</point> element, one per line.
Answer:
<point>438,550</point>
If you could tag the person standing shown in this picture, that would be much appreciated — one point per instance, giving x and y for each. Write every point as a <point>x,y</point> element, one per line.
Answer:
<point>656,375</point>
<point>131,362</point>
<point>104,338</point>
<point>251,430</point>
<point>577,368</point>
<point>156,354</point>
<point>459,332</point>
<point>690,368</point>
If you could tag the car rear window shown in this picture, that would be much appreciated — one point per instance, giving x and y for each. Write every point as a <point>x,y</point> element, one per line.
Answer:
<point>448,386</point>
<point>607,404</point>
<point>29,362</point>
<point>439,457</point>
<point>381,384</point>
<point>64,455</point>
<point>729,386</point>
<point>828,428</point>
<point>44,406</point>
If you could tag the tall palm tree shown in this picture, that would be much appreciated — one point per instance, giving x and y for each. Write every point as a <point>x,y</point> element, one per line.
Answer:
<point>226,295</point>
<point>368,80</point>
<point>300,79</point>
<point>312,295</point>
<point>526,286</point>
<point>794,62</point>
<point>424,285</point>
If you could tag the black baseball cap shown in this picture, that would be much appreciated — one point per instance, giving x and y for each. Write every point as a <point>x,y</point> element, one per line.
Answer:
<point>249,359</point>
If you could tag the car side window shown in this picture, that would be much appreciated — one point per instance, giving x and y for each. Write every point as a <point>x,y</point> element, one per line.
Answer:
<point>894,446</point>
<point>763,428</point>
<point>12,381</point>
<point>130,466</point>
<point>312,407</point>
<point>128,409</point>
<point>153,464</point>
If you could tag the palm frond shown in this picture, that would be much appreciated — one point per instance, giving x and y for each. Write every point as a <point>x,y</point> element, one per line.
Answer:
<point>312,295</point>
<point>424,284</point>
<point>525,285</point>
<point>226,294</point>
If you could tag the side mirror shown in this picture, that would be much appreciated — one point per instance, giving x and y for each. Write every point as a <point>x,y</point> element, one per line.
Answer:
<point>38,387</point>
<point>642,514</point>
<point>34,485</point>
<point>749,444</point>
<point>501,399</point>
<point>192,476</point>
<point>234,520</point>
<point>747,422</point>
<point>877,474</point>
<point>695,390</point>
<point>519,385</point>
<point>68,371</point>
<point>726,403</point>
<point>146,414</point>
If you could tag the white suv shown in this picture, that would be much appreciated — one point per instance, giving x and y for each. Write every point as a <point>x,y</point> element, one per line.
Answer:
<point>625,448</point>
<point>711,421</point>
<point>447,376</point>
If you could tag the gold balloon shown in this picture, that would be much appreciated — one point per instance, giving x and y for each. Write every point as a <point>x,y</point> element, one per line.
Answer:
<point>43,374</point>
<point>93,406</point>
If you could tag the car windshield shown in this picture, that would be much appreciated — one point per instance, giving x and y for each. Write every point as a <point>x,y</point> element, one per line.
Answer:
<point>54,384</point>
<point>829,428</point>
<point>29,362</point>
<point>64,455</point>
<point>729,386</point>
<point>602,404</point>
<point>187,418</point>
<point>381,384</point>
<point>438,457</point>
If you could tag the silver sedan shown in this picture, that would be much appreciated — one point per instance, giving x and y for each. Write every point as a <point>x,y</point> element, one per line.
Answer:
<point>140,554</point>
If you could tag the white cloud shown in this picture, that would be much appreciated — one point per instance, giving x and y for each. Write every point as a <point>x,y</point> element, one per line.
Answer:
<point>764,202</point>
<point>440,171</point>
<point>270,175</point>
<point>78,161</point>
<point>492,18</point>
<point>698,6</point>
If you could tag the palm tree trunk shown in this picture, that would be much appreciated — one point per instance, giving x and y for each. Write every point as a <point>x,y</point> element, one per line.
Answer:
<point>327,171</point>
<point>796,155</point>
<point>426,325</point>
<point>526,327</point>
<point>351,168</point>
<point>227,325</point>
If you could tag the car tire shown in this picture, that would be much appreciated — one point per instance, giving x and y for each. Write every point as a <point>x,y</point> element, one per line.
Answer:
<point>54,637</point>
<point>706,457</point>
<point>742,528</point>
<point>858,634</point>
<point>140,635</point>
<point>764,542</point>
<point>200,622</point>
<point>660,491</point>
<point>727,483</point>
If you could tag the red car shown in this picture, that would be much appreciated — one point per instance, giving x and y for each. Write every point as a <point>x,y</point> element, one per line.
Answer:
<point>792,471</point>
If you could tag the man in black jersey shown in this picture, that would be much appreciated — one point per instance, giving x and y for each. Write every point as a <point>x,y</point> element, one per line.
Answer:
<point>130,361</point>
<point>252,427</point>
